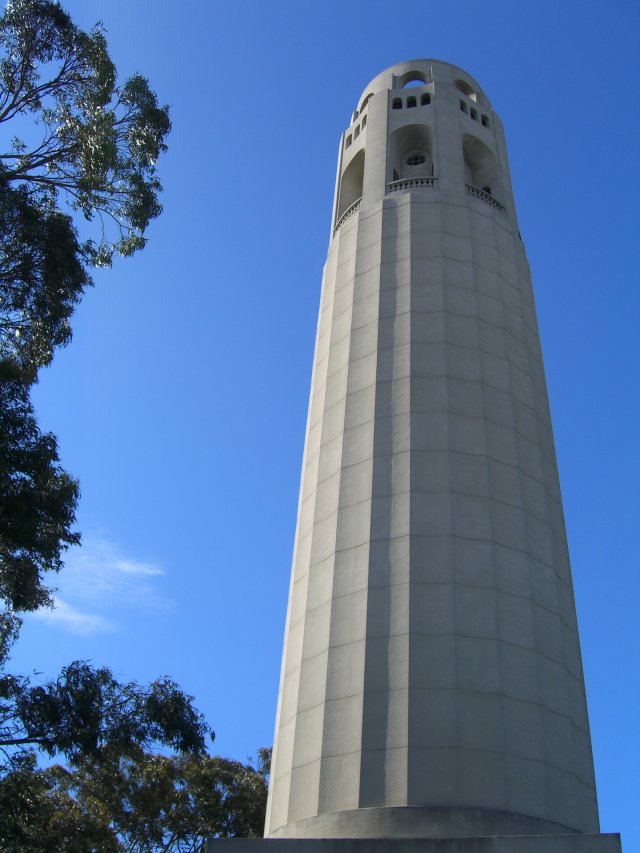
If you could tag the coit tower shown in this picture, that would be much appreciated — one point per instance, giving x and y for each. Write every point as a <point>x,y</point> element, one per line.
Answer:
<point>431,678</point>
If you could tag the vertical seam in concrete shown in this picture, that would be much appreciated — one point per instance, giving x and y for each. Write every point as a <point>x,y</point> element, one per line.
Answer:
<point>498,626</point>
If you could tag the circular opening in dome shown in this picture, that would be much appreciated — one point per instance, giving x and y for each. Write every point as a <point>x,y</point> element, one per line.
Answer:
<point>416,159</point>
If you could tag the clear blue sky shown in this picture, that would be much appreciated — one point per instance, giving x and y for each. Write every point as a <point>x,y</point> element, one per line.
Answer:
<point>181,402</point>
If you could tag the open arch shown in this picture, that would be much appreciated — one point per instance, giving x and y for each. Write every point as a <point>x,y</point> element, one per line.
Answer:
<point>480,168</point>
<point>410,153</point>
<point>466,89</point>
<point>351,183</point>
<point>411,78</point>
<point>366,101</point>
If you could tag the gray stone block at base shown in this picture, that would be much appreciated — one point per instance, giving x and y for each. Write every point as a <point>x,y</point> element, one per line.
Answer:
<point>609,843</point>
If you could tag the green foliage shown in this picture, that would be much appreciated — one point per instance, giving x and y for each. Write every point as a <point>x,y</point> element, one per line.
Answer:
<point>139,802</point>
<point>86,709</point>
<point>37,814</point>
<point>84,161</point>
<point>42,279</point>
<point>88,147</point>
<point>92,142</point>
<point>37,499</point>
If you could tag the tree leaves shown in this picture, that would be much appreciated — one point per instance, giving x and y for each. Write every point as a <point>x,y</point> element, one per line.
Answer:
<point>82,161</point>
<point>37,499</point>
<point>87,709</point>
<point>92,142</point>
<point>143,802</point>
<point>42,279</point>
<point>87,147</point>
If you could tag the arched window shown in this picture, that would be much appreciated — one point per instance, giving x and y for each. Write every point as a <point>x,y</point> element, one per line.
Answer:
<point>466,89</point>
<point>357,132</point>
<point>351,183</point>
<point>463,107</point>
<point>366,101</point>
<point>411,102</point>
<point>410,153</point>
<point>485,121</point>
<point>425,99</point>
<point>411,78</point>
<point>364,122</point>
<point>397,103</point>
<point>480,168</point>
<point>348,141</point>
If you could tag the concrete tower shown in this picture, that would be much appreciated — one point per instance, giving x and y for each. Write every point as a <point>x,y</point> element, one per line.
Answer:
<point>431,680</point>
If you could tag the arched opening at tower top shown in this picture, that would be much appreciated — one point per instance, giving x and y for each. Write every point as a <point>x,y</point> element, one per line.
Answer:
<point>410,153</point>
<point>480,169</point>
<point>466,89</point>
<point>411,78</point>
<point>351,183</point>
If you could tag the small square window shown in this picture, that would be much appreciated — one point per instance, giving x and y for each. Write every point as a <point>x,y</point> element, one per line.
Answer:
<point>397,104</point>
<point>474,114</point>
<point>411,102</point>
<point>425,99</point>
<point>348,142</point>
<point>463,106</point>
<point>485,121</point>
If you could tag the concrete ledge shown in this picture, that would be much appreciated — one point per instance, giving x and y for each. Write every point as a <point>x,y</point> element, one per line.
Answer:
<point>609,843</point>
<point>423,822</point>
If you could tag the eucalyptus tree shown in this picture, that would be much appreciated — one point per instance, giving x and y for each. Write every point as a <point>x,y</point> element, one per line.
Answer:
<point>78,185</point>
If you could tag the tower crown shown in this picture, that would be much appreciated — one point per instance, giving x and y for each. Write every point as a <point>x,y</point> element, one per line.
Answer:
<point>423,125</point>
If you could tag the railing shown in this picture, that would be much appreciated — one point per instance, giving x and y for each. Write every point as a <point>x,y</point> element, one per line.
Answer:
<point>478,193</point>
<point>347,213</point>
<point>410,183</point>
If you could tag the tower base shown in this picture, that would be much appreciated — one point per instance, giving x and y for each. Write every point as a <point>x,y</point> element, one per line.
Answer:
<point>607,843</point>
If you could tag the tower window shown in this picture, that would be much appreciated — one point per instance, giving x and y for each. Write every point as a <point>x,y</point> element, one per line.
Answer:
<point>366,101</point>
<point>425,99</point>
<point>411,102</point>
<point>416,159</point>
<point>348,141</point>
<point>480,167</point>
<point>397,104</point>
<point>463,106</point>
<point>485,121</point>
<point>357,132</point>
<point>474,114</point>
<point>411,78</point>
<point>364,122</point>
<point>466,89</point>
